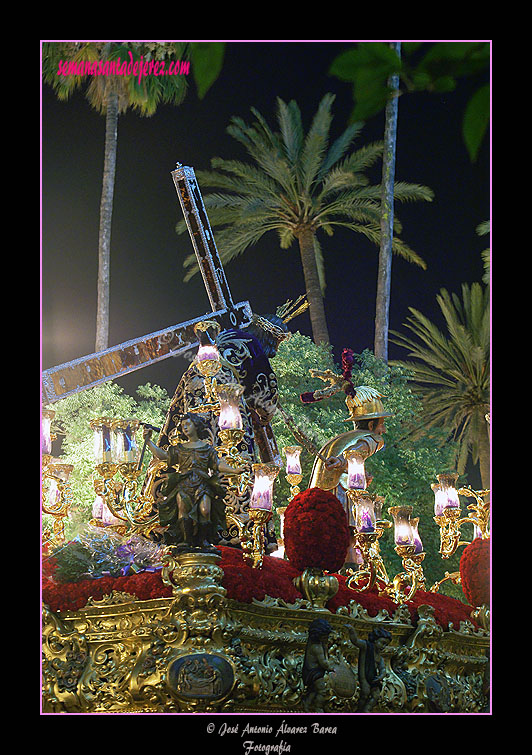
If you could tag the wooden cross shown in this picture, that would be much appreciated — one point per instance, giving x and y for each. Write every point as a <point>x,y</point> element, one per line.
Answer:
<point>100,367</point>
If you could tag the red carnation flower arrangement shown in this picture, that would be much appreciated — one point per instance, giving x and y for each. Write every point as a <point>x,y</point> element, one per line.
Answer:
<point>316,534</point>
<point>475,572</point>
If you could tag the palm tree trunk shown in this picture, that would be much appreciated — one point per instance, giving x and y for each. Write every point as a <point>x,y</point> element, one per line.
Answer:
<point>320,333</point>
<point>484,457</point>
<point>384,275</point>
<point>106,212</point>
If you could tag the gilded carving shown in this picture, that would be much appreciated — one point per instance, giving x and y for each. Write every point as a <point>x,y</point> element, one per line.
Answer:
<point>200,651</point>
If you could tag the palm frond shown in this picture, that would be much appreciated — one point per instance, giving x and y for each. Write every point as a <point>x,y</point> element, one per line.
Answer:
<point>349,206</point>
<point>402,249</point>
<point>451,370</point>
<point>315,145</point>
<point>338,179</point>
<point>269,158</point>
<point>286,237</point>
<point>407,192</point>
<point>364,157</point>
<point>339,147</point>
<point>289,119</point>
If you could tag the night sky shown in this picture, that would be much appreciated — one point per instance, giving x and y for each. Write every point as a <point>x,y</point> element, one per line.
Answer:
<point>147,289</point>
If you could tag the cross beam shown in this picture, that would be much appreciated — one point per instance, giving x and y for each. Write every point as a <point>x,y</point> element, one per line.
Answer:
<point>200,231</point>
<point>100,367</point>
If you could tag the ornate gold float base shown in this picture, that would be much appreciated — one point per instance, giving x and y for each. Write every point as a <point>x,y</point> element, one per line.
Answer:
<point>200,651</point>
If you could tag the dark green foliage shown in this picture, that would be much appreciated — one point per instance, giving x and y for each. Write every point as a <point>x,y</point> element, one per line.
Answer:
<point>402,472</point>
<point>437,68</point>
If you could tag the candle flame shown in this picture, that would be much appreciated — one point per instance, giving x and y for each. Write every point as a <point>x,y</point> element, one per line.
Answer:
<point>356,476</point>
<point>230,417</point>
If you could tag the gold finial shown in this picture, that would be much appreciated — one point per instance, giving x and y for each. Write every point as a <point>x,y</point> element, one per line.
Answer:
<point>204,325</point>
<point>289,309</point>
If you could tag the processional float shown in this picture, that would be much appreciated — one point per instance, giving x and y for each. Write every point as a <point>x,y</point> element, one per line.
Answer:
<point>199,650</point>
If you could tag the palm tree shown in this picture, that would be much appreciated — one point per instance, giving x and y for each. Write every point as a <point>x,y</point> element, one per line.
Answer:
<point>452,371</point>
<point>111,95</point>
<point>299,185</point>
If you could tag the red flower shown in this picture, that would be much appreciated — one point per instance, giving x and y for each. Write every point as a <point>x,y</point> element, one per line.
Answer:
<point>475,572</point>
<point>316,533</point>
<point>243,584</point>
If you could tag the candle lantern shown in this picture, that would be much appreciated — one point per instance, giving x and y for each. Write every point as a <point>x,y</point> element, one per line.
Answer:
<point>104,445</point>
<point>445,493</point>
<point>260,512</point>
<point>440,499</point>
<point>229,395</point>
<point>208,356</point>
<point>208,359</point>
<point>364,540</point>
<point>262,493</point>
<point>293,465</point>
<point>356,476</point>
<point>365,514</point>
<point>124,440</point>
<point>403,527</point>
<point>231,434</point>
<point>293,468</point>
<point>207,362</point>
<point>46,435</point>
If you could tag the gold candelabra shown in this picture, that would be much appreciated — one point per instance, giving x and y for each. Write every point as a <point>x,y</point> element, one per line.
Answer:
<point>260,512</point>
<point>448,517</point>
<point>367,533</point>
<point>208,364</point>
<point>404,586</point>
<point>57,498</point>
<point>253,540</point>
<point>55,487</point>
<point>370,528</point>
<point>365,538</point>
<point>448,513</point>
<point>231,435</point>
<point>294,480</point>
<point>228,447</point>
<point>409,547</point>
<point>293,469</point>
<point>116,452</point>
